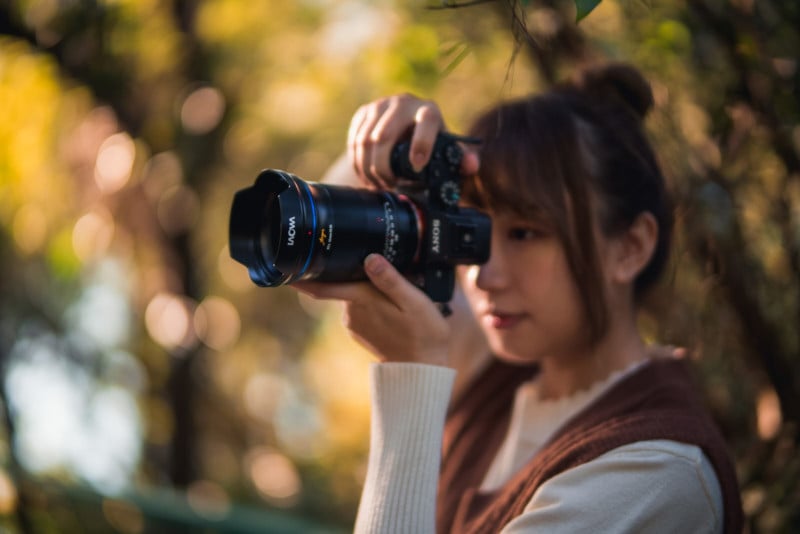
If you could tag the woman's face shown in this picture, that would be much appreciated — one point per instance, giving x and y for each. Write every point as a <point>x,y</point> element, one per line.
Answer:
<point>524,297</point>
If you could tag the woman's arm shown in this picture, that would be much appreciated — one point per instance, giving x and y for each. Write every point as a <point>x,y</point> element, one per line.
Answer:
<point>409,403</point>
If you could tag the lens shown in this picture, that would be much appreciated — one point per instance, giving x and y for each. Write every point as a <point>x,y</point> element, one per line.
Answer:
<point>272,228</point>
<point>285,229</point>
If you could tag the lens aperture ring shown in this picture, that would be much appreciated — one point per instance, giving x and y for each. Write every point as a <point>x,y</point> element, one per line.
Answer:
<point>419,219</point>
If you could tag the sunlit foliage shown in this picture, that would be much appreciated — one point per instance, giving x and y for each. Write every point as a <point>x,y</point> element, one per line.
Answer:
<point>137,355</point>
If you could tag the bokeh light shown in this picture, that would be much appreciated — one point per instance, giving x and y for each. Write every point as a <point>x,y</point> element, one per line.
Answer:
<point>217,323</point>
<point>102,313</point>
<point>768,414</point>
<point>61,422</point>
<point>202,110</point>
<point>168,318</point>
<point>8,494</point>
<point>274,475</point>
<point>92,234</point>
<point>115,163</point>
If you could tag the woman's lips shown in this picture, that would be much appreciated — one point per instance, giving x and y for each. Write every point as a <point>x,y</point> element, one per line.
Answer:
<point>502,320</point>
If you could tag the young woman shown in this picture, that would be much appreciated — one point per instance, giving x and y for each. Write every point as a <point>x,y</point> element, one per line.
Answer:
<point>572,425</point>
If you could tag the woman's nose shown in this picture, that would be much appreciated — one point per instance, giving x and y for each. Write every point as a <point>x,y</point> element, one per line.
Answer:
<point>493,274</point>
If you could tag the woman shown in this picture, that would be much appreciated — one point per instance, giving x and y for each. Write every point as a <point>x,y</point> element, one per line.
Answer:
<point>573,425</point>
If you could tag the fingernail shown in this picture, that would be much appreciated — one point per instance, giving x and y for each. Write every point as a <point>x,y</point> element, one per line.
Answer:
<point>417,161</point>
<point>373,264</point>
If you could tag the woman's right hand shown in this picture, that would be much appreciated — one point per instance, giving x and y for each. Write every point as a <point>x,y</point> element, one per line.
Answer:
<point>388,315</point>
<point>376,127</point>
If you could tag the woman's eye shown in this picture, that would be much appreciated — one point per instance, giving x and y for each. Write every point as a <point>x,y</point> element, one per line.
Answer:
<point>525,233</point>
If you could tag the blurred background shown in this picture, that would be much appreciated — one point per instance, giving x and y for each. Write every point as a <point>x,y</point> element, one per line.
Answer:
<point>148,386</point>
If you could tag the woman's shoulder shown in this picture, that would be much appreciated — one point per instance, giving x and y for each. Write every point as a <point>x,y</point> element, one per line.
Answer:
<point>676,466</point>
<point>647,486</point>
<point>666,475</point>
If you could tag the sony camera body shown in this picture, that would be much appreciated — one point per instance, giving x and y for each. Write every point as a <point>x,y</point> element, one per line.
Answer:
<point>285,229</point>
<point>452,234</point>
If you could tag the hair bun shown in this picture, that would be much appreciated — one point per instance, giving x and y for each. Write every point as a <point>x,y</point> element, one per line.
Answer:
<point>617,82</point>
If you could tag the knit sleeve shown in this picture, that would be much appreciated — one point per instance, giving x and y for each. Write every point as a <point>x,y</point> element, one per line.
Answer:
<point>409,405</point>
<point>649,486</point>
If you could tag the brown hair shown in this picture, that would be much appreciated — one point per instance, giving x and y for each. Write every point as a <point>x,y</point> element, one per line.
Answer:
<point>546,156</point>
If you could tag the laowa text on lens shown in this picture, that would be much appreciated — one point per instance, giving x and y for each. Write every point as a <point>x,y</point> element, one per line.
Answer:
<point>291,232</point>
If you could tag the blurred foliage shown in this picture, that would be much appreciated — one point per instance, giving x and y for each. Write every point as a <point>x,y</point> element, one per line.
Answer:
<point>136,354</point>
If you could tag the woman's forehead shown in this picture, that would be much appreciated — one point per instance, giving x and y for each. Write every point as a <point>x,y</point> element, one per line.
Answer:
<point>532,214</point>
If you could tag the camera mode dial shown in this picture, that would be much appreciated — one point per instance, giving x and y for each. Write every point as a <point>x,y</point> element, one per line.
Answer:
<point>450,193</point>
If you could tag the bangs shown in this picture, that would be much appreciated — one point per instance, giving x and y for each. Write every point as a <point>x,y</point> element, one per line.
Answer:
<point>523,169</point>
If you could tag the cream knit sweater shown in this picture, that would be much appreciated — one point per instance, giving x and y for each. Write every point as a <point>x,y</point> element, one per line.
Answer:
<point>650,486</point>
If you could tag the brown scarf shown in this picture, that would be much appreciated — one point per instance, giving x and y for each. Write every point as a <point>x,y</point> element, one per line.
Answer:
<point>656,401</point>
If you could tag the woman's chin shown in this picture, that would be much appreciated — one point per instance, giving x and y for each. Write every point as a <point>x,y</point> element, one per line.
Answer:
<point>514,358</point>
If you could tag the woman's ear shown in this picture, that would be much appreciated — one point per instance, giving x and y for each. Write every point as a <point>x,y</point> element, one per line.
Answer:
<point>635,247</point>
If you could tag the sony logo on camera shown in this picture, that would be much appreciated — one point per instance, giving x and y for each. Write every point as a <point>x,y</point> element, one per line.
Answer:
<point>436,231</point>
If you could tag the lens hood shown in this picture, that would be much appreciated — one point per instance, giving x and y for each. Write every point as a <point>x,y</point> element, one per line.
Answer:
<point>265,218</point>
<point>247,214</point>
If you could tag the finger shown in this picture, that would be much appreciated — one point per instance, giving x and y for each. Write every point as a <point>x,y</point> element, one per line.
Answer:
<point>363,142</point>
<point>427,124</point>
<point>348,292</point>
<point>391,283</point>
<point>470,162</point>
<point>355,123</point>
<point>355,126</point>
<point>390,128</point>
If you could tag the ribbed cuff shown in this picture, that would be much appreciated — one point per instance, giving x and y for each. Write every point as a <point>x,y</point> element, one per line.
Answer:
<point>409,403</point>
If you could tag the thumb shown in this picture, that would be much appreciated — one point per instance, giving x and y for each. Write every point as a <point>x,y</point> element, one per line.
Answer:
<point>389,281</point>
<point>470,163</point>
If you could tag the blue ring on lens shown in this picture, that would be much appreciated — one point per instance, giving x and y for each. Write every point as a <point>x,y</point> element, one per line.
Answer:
<point>313,225</point>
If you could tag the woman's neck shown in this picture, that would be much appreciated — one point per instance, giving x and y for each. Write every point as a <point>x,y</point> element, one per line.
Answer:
<point>562,376</point>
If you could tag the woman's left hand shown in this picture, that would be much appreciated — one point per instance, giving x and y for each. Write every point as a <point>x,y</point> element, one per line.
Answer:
<point>389,315</point>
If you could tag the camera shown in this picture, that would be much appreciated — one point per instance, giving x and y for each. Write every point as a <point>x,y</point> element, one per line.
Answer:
<point>285,229</point>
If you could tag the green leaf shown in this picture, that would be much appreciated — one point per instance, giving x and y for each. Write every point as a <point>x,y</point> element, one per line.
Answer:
<point>460,51</point>
<point>584,8</point>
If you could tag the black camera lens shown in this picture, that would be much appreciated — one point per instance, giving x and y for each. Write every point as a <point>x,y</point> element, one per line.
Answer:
<point>285,229</point>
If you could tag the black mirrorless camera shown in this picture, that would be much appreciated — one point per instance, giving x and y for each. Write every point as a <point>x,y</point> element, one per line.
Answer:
<point>284,229</point>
